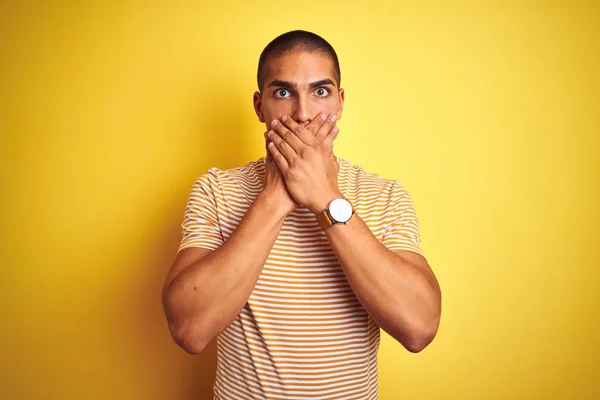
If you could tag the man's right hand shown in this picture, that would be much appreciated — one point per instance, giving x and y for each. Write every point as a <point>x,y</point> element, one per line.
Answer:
<point>274,188</point>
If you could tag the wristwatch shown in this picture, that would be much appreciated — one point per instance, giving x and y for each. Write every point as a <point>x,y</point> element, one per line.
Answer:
<point>339,211</point>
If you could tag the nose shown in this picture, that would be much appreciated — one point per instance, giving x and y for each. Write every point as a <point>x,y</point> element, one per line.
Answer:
<point>302,113</point>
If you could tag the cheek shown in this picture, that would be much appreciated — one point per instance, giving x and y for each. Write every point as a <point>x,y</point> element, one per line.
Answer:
<point>276,109</point>
<point>329,106</point>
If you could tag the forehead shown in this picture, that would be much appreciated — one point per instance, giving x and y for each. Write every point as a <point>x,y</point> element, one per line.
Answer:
<point>301,68</point>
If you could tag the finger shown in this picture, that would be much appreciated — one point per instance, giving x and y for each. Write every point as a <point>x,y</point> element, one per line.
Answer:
<point>299,132</point>
<point>287,134</point>
<point>284,148</point>
<point>278,157</point>
<point>316,123</point>
<point>326,128</point>
<point>333,133</point>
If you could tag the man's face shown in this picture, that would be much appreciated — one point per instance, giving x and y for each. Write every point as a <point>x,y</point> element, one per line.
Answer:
<point>300,85</point>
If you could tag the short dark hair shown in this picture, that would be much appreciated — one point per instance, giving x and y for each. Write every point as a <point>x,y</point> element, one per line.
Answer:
<point>297,41</point>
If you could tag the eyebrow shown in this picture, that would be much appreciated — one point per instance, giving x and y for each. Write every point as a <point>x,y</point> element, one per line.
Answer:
<point>289,85</point>
<point>322,83</point>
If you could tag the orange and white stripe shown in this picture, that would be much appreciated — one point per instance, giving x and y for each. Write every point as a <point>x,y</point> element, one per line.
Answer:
<point>302,334</point>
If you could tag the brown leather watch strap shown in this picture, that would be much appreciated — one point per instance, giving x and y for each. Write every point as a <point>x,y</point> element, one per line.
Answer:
<point>324,220</point>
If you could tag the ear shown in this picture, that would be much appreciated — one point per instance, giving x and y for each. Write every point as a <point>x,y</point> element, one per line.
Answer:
<point>341,96</point>
<point>257,100</point>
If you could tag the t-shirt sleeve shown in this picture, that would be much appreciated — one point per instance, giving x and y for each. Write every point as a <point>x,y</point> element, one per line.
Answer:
<point>402,225</point>
<point>200,226</point>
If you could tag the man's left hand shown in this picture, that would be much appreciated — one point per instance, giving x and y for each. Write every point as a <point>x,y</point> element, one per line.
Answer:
<point>306,161</point>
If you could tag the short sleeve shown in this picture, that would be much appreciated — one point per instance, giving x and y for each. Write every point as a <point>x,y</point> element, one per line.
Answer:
<point>402,226</point>
<point>200,226</point>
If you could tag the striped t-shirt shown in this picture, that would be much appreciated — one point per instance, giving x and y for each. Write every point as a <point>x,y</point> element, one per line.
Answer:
<point>302,333</point>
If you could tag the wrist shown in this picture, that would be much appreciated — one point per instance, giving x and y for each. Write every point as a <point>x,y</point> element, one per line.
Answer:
<point>273,203</point>
<point>323,202</point>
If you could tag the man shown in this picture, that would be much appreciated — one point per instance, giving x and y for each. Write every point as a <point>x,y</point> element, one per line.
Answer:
<point>295,261</point>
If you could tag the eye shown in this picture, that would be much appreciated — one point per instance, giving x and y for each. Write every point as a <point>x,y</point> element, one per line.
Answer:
<point>282,93</point>
<point>322,92</point>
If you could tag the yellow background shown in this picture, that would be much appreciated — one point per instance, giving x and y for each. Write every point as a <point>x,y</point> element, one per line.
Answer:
<point>487,112</point>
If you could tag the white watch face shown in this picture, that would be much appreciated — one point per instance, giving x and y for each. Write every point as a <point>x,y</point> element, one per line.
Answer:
<point>340,210</point>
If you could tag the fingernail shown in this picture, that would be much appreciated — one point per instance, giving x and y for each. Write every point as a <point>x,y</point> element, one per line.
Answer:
<point>270,133</point>
<point>333,117</point>
<point>284,118</point>
<point>274,123</point>
<point>323,117</point>
<point>335,129</point>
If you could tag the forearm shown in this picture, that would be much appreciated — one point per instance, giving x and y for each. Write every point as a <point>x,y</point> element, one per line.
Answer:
<point>401,297</point>
<point>206,296</point>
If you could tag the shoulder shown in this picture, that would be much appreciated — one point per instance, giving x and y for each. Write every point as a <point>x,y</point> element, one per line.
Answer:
<point>357,178</point>
<point>215,177</point>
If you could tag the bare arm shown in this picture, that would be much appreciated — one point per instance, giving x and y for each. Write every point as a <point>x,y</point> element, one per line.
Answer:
<point>205,290</point>
<point>397,289</point>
